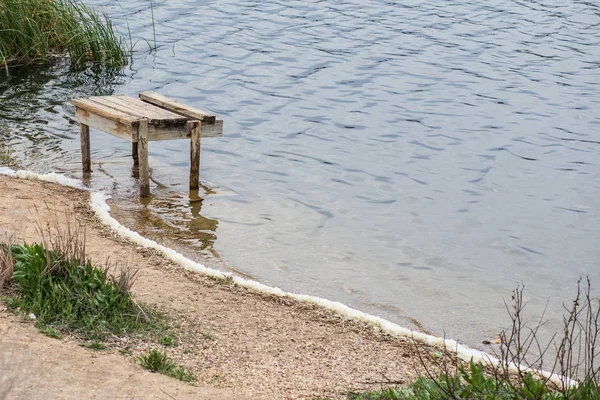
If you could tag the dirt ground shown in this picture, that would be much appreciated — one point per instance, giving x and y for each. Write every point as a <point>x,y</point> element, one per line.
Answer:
<point>239,344</point>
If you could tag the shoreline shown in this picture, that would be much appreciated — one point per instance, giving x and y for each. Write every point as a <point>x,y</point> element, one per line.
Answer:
<point>98,203</point>
<point>357,346</point>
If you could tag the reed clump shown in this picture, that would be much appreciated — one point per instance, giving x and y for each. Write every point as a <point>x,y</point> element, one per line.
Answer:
<point>38,31</point>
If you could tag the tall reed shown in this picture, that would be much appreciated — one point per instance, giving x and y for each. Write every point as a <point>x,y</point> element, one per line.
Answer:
<point>40,30</point>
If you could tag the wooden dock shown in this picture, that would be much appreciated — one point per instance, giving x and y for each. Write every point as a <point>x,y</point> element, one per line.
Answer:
<point>151,117</point>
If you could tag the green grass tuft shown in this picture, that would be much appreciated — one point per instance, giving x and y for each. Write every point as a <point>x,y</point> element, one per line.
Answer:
<point>167,341</point>
<point>94,345</point>
<point>75,296</point>
<point>49,331</point>
<point>38,30</point>
<point>156,361</point>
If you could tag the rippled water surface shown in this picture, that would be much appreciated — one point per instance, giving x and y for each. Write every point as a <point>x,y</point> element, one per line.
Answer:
<point>412,159</point>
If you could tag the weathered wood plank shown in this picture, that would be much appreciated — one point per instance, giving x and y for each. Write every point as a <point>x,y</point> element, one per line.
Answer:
<point>143,158</point>
<point>195,156</point>
<point>139,109</point>
<point>170,132</point>
<point>118,128</point>
<point>177,107</point>
<point>142,106</point>
<point>181,131</point>
<point>104,111</point>
<point>214,130</point>
<point>86,159</point>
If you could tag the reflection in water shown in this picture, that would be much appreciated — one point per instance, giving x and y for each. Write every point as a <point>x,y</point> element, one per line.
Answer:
<point>170,216</point>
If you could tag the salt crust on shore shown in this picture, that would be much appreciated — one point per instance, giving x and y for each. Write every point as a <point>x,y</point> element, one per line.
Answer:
<point>101,208</point>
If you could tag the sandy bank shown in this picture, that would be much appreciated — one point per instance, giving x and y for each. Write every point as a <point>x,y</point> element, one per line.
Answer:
<point>250,345</point>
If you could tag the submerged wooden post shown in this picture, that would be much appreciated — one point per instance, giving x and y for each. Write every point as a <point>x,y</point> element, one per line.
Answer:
<point>195,156</point>
<point>86,160</point>
<point>134,153</point>
<point>143,158</point>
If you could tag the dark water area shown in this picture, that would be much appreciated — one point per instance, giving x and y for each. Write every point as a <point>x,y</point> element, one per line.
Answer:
<point>415,160</point>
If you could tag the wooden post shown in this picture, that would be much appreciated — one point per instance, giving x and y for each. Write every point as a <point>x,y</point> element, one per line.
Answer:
<point>86,160</point>
<point>143,158</point>
<point>134,153</point>
<point>195,156</point>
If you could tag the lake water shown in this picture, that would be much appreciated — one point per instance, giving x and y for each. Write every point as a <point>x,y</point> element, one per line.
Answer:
<point>414,159</point>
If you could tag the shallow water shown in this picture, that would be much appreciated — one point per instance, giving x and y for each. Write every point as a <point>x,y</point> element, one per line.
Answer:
<point>411,159</point>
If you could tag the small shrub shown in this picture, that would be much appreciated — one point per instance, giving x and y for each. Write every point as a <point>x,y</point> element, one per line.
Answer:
<point>156,361</point>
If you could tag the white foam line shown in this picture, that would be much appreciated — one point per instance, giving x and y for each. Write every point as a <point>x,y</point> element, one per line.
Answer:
<point>50,177</point>
<point>101,208</point>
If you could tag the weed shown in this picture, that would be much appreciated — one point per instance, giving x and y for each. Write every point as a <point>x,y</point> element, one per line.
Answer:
<point>49,331</point>
<point>168,341</point>
<point>125,352</point>
<point>95,345</point>
<point>474,383</point>
<point>517,376</point>
<point>156,361</point>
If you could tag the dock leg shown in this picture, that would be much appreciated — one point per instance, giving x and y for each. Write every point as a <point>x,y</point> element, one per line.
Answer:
<point>195,157</point>
<point>134,153</point>
<point>86,160</point>
<point>143,158</point>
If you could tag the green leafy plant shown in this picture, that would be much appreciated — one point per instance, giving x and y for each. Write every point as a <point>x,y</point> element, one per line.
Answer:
<point>49,331</point>
<point>167,341</point>
<point>157,361</point>
<point>95,345</point>
<point>70,294</point>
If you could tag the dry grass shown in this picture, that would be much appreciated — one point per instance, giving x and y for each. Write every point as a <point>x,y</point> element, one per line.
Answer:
<point>7,263</point>
<point>66,235</point>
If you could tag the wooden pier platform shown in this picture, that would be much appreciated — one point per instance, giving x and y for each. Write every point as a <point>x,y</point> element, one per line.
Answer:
<point>139,121</point>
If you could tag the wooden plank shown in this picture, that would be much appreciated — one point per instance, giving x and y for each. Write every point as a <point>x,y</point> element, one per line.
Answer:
<point>139,109</point>
<point>86,159</point>
<point>115,128</point>
<point>142,106</point>
<point>104,111</point>
<point>183,131</point>
<point>195,156</point>
<point>143,158</point>
<point>170,133</point>
<point>177,107</point>
<point>214,130</point>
